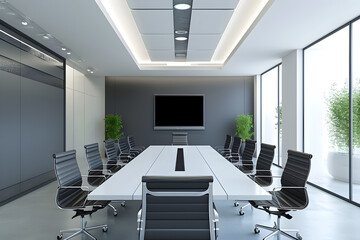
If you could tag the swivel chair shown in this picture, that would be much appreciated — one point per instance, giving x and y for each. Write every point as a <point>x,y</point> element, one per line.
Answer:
<point>177,208</point>
<point>291,196</point>
<point>71,195</point>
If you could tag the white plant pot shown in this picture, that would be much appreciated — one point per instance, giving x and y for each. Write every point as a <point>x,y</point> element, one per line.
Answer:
<point>338,166</point>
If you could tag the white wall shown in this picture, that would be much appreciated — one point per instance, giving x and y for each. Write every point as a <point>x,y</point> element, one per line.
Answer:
<point>85,111</point>
<point>292,102</point>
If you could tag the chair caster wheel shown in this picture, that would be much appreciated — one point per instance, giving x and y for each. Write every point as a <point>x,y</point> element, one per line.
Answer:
<point>123,204</point>
<point>256,230</point>
<point>105,229</point>
<point>241,212</point>
<point>59,237</point>
<point>115,213</point>
<point>299,237</point>
<point>236,204</point>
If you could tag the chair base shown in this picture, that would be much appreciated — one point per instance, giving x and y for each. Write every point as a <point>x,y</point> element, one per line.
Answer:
<point>277,231</point>
<point>82,230</point>
<point>241,211</point>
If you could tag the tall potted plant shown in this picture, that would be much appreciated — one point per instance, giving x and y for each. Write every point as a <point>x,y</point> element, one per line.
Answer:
<point>113,126</point>
<point>244,125</point>
<point>338,126</point>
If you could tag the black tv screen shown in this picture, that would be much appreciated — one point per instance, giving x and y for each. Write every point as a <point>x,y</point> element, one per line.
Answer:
<point>172,112</point>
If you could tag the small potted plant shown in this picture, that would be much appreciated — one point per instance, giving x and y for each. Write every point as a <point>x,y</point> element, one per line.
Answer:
<point>244,125</point>
<point>113,126</point>
<point>338,126</point>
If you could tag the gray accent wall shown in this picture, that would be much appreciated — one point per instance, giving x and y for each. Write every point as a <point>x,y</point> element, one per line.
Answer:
<point>225,98</point>
<point>31,114</point>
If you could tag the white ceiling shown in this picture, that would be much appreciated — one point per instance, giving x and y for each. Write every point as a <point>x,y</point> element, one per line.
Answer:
<point>287,25</point>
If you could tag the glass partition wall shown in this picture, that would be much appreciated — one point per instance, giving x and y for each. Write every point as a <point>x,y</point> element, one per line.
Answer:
<point>332,111</point>
<point>271,109</point>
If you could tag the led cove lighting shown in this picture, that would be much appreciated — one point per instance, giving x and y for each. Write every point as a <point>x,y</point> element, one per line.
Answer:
<point>182,6</point>
<point>181,38</point>
<point>246,15</point>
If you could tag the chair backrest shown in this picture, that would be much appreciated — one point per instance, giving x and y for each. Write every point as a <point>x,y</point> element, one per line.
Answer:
<point>266,157</point>
<point>249,150</point>
<point>295,174</point>
<point>93,156</point>
<point>177,208</point>
<point>131,141</point>
<point>236,145</point>
<point>66,169</point>
<point>179,138</point>
<point>110,149</point>
<point>227,142</point>
<point>123,144</point>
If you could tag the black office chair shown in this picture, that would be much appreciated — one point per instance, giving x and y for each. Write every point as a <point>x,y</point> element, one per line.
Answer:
<point>262,175</point>
<point>133,146</point>
<point>291,196</point>
<point>125,148</point>
<point>177,208</point>
<point>71,196</point>
<point>247,164</point>
<point>227,144</point>
<point>111,152</point>
<point>96,168</point>
<point>179,138</point>
<point>234,154</point>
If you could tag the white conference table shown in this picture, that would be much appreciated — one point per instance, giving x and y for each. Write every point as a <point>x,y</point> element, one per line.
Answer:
<point>229,182</point>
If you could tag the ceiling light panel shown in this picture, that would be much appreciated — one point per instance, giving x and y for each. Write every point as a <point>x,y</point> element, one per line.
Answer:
<point>153,4</point>
<point>195,56</point>
<point>159,42</point>
<point>164,55</point>
<point>209,21</point>
<point>154,21</point>
<point>215,4</point>
<point>203,42</point>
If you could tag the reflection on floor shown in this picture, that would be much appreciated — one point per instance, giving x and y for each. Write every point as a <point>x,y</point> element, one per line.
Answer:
<point>341,188</point>
<point>35,216</point>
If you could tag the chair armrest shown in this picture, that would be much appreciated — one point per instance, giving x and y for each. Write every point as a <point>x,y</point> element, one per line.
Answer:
<point>264,176</point>
<point>139,219</point>
<point>288,187</point>
<point>107,172</point>
<point>76,187</point>
<point>94,176</point>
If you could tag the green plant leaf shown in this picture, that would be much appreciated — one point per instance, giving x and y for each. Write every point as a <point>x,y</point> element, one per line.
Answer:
<point>244,125</point>
<point>113,126</point>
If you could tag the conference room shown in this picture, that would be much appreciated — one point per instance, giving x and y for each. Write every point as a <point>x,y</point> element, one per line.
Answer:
<point>179,119</point>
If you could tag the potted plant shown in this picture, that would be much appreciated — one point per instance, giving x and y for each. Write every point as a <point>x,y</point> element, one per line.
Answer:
<point>338,126</point>
<point>244,125</point>
<point>113,126</point>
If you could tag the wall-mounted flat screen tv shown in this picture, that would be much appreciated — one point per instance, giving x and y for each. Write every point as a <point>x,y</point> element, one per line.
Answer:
<point>179,112</point>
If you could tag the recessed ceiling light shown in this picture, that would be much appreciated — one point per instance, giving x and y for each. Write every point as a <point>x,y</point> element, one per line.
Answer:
<point>68,53</point>
<point>64,49</point>
<point>46,36</point>
<point>25,23</point>
<point>181,38</point>
<point>182,6</point>
<point>88,70</point>
<point>91,72</point>
<point>181,32</point>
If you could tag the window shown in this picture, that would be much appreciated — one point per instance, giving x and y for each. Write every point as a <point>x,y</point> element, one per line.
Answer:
<point>271,109</point>
<point>332,111</point>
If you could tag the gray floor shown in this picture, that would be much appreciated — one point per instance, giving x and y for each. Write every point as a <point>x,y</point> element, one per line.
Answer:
<point>35,216</point>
